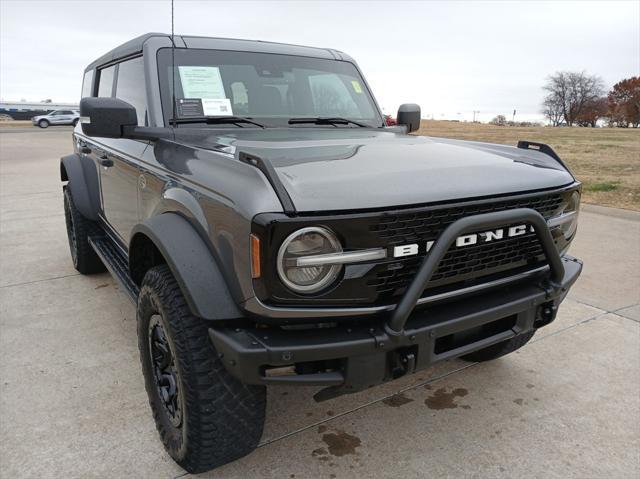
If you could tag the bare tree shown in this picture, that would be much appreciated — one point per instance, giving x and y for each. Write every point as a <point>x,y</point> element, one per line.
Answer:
<point>571,91</point>
<point>552,109</point>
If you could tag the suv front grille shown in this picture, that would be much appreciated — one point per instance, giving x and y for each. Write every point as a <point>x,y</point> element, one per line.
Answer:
<point>383,282</point>
<point>459,264</point>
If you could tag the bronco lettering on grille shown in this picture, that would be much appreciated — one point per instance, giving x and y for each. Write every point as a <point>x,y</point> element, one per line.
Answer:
<point>466,240</point>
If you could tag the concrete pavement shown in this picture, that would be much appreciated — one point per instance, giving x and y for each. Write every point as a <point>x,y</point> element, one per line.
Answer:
<point>72,399</point>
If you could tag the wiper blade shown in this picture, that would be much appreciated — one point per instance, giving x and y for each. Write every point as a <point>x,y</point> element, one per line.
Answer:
<point>215,120</point>
<point>320,120</point>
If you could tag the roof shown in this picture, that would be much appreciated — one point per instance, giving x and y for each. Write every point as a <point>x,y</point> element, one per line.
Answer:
<point>189,41</point>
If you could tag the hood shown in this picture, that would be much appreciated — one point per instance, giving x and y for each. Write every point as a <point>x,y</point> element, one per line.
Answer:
<point>351,168</point>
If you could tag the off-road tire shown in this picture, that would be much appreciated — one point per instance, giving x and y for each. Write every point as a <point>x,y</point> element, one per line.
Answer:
<point>43,124</point>
<point>221,418</point>
<point>79,228</point>
<point>500,349</point>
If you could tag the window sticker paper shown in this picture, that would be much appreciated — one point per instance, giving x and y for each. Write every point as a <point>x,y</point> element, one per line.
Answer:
<point>217,107</point>
<point>201,82</point>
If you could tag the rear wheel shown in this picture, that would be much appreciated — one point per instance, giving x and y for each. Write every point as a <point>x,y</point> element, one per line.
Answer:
<point>500,349</point>
<point>79,228</point>
<point>205,417</point>
<point>43,123</point>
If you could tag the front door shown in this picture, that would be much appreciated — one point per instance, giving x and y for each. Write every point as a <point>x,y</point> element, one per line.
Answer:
<point>119,183</point>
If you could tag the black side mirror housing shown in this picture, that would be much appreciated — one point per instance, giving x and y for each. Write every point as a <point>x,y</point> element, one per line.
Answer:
<point>106,117</point>
<point>409,116</point>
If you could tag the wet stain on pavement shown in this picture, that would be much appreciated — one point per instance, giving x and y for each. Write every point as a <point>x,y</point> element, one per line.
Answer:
<point>441,399</point>
<point>397,400</point>
<point>101,286</point>
<point>330,413</point>
<point>529,386</point>
<point>321,451</point>
<point>321,454</point>
<point>322,429</point>
<point>518,401</point>
<point>340,443</point>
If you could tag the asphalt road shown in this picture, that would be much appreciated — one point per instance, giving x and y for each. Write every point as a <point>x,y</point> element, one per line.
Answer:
<point>72,400</point>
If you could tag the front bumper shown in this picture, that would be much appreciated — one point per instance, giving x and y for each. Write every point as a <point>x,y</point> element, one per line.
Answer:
<point>367,356</point>
<point>349,358</point>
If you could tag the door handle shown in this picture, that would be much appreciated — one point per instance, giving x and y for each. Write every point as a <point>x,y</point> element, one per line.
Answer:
<point>105,161</point>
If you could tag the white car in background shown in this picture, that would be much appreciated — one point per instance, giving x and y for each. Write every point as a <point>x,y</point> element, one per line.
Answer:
<point>57,117</point>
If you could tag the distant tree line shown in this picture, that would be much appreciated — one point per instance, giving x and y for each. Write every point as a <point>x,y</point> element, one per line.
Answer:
<point>577,98</point>
<point>501,120</point>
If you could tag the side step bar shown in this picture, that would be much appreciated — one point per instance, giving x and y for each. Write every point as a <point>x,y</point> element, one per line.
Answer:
<point>116,263</point>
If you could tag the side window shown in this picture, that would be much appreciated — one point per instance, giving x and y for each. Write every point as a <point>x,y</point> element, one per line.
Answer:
<point>54,113</point>
<point>106,81</point>
<point>87,84</point>
<point>130,87</point>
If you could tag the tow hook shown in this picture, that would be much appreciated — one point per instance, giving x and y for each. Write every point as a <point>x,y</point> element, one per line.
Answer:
<point>546,314</point>
<point>402,362</point>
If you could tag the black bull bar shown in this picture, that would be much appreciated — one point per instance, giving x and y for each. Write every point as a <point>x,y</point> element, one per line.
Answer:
<point>403,310</point>
<point>371,355</point>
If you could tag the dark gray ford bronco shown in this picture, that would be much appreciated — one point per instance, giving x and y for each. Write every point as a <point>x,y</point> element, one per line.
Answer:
<point>272,230</point>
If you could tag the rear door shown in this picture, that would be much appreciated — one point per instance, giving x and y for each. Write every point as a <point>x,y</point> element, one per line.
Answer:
<point>55,117</point>
<point>65,117</point>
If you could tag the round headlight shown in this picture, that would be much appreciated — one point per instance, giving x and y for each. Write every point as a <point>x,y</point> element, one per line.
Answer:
<point>309,241</point>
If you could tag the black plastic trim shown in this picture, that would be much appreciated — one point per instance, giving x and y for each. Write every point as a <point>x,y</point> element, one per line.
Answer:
<point>272,176</point>
<point>192,264</point>
<point>543,148</point>
<point>83,182</point>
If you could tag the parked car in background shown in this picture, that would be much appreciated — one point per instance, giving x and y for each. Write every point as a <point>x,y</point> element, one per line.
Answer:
<point>57,117</point>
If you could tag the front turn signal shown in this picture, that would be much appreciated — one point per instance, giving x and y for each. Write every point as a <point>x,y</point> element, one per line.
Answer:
<point>255,256</point>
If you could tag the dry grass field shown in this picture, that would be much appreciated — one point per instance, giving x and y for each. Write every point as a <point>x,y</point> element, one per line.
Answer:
<point>605,160</point>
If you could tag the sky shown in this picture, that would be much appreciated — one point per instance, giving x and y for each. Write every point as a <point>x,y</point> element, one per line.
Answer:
<point>452,58</point>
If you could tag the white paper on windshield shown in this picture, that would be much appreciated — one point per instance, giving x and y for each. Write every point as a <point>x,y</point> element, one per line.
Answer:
<point>216,107</point>
<point>201,82</point>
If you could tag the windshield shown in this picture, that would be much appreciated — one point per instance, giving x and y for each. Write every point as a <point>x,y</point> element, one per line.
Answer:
<point>269,88</point>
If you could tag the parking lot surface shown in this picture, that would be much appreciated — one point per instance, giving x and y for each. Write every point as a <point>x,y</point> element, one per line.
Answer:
<point>72,399</point>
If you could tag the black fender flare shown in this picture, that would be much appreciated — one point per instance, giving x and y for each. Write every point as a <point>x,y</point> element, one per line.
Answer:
<point>82,175</point>
<point>192,264</point>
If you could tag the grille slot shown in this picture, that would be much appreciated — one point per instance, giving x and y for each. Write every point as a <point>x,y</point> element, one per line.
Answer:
<point>465,264</point>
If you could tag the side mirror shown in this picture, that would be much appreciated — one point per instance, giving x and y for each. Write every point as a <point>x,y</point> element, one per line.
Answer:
<point>106,117</point>
<point>409,115</point>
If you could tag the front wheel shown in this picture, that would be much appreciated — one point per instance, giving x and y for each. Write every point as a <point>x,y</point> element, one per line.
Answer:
<point>500,349</point>
<point>43,123</point>
<point>205,417</point>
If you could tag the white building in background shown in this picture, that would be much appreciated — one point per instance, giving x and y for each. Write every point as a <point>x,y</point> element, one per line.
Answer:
<point>24,110</point>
